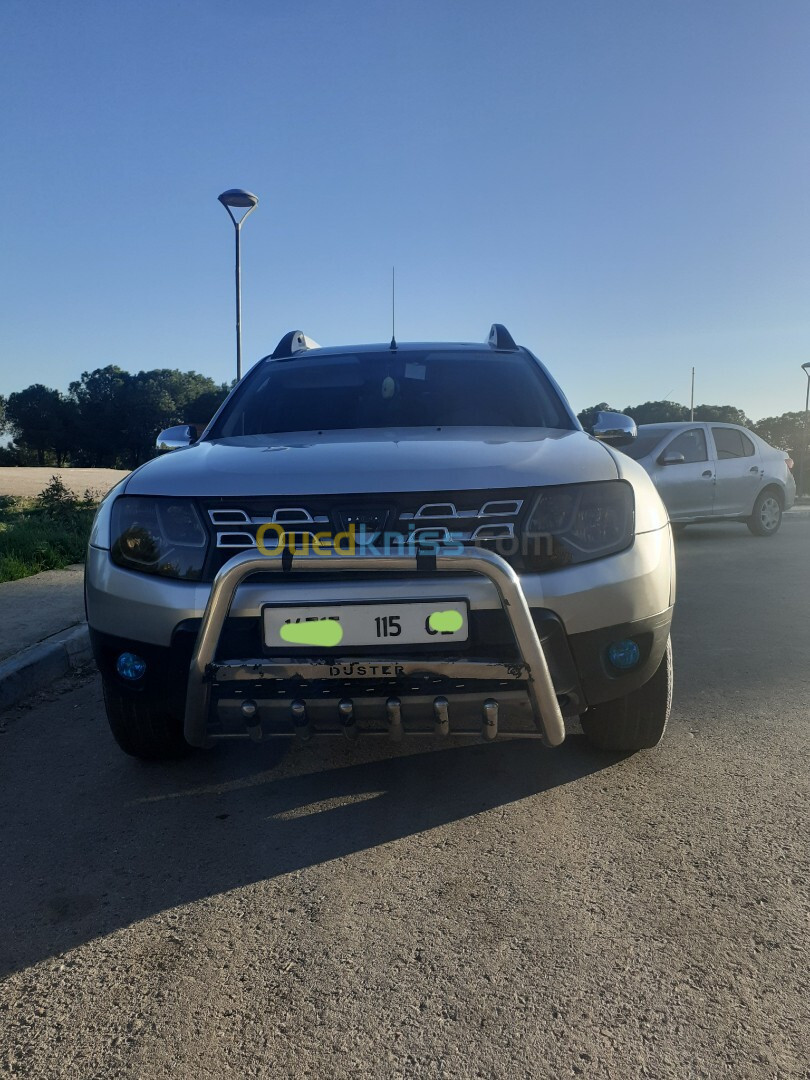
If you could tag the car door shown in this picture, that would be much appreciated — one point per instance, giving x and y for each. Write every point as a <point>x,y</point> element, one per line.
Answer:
<point>687,485</point>
<point>738,472</point>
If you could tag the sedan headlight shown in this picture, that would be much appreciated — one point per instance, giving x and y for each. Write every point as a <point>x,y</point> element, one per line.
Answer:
<point>158,536</point>
<point>578,522</point>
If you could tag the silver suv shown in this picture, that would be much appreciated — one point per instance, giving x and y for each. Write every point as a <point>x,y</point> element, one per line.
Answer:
<point>404,538</point>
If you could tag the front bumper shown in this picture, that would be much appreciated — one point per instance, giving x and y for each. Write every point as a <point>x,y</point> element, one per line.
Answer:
<point>532,670</point>
<point>551,671</point>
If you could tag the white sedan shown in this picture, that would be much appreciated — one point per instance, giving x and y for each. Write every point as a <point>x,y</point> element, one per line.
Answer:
<point>716,472</point>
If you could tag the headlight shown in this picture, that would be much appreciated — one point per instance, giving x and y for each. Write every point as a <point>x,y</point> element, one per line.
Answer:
<point>158,536</point>
<point>575,523</point>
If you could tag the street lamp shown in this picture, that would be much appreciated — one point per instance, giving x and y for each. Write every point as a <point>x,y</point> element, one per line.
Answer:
<point>238,199</point>
<point>806,370</point>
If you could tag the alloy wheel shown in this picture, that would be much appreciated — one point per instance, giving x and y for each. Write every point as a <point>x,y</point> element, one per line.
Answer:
<point>769,514</point>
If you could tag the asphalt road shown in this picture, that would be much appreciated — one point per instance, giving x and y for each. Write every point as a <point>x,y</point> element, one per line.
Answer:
<point>475,911</point>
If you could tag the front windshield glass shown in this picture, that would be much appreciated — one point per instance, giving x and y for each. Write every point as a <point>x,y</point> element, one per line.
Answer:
<point>646,441</point>
<point>393,390</point>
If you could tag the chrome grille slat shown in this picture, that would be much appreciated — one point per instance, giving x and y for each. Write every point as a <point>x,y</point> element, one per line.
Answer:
<point>235,540</point>
<point>465,517</point>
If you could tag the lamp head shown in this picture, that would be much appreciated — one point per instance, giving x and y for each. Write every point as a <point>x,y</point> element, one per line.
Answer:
<point>238,197</point>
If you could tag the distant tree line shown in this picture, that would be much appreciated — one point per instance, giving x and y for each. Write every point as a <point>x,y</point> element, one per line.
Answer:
<point>663,412</point>
<point>108,418</point>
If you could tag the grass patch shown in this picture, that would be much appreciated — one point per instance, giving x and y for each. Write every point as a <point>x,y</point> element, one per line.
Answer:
<point>47,533</point>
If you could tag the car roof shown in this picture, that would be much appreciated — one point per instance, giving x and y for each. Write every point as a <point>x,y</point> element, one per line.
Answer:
<point>674,425</point>
<point>401,346</point>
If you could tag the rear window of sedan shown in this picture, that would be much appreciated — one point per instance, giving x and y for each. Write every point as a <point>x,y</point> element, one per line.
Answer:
<point>731,443</point>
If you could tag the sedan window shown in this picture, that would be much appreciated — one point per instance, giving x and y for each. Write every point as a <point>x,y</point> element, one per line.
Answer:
<point>748,447</point>
<point>731,443</point>
<point>692,444</point>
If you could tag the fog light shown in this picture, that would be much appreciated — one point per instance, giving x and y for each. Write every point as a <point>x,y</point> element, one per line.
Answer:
<point>624,654</point>
<point>130,667</point>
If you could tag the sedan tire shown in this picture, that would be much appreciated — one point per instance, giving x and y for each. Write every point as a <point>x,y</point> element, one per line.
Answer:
<point>767,515</point>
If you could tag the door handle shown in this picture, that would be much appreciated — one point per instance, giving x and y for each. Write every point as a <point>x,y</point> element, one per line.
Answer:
<point>708,472</point>
<point>754,468</point>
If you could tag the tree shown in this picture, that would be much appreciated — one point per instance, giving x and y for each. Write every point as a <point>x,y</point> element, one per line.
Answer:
<point>657,412</point>
<point>2,414</point>
<point>201,409</point>
<point>120,415</point>
<point>158,399</point>
<point>99,398</point>
<point>66,430</point>
<point>588,417</point>
<point>149,407</point>
<point>185,389</point>
<point>668,412</point>
<point>34,417</point>
<point>721,414</point>
<point>785,431</point>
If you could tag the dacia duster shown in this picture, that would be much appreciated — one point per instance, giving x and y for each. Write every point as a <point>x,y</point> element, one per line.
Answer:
<point>391,538</point>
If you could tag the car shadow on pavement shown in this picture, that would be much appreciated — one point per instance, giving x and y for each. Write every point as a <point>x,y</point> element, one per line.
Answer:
<point>91,851</point>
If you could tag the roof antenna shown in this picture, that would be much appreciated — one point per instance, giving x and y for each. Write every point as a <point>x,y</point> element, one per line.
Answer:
<point>393,344</point>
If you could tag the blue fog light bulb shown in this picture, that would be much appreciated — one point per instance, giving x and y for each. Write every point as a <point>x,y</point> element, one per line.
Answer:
<point>130,667</point>
<point>624,654</point>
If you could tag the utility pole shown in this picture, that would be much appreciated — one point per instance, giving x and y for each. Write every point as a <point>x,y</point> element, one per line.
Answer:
<point>692,402</point>
<point>806,370</point>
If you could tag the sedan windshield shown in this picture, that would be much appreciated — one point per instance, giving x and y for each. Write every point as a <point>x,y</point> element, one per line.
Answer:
<point>646,441</point>
<point>393,389</point>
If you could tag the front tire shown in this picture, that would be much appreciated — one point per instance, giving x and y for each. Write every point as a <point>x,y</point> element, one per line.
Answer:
<point>638,720</point>
<point>767,515</point>
<point>143,727</point>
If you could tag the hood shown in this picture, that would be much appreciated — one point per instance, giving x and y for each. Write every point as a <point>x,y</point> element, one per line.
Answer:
<point>376,460</point>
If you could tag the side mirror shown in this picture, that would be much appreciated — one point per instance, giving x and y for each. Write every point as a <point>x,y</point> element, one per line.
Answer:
<point>615,428</point>
<point>175,438</point>
<point>671,458</point>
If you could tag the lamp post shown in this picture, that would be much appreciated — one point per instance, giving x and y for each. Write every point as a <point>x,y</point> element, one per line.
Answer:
<point>238,199</point>
<point>806,370</point>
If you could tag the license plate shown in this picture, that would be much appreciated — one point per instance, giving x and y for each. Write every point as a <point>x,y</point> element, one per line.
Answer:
<point>333,626</point>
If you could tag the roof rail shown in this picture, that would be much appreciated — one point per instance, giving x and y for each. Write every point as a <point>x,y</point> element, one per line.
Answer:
<point>500,338</point>
<point>293,343</point>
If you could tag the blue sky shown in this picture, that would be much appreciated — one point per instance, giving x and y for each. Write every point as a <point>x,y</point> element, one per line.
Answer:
<point>624,184</point>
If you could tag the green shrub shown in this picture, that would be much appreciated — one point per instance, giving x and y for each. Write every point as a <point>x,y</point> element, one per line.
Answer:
<point>56,498</point>
<point>48,533</point>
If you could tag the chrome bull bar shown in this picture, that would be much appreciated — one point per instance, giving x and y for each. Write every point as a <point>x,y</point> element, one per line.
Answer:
<point>533,668</point>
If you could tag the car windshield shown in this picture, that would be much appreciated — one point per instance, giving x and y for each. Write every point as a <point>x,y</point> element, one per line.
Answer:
<point>646,441</point>
<point>393,389</point>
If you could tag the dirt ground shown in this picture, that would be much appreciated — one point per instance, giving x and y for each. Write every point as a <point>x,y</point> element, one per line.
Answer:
<point>30,481</point>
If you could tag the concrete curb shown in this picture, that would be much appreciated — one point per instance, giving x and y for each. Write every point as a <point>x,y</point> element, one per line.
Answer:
<point>32,669</point>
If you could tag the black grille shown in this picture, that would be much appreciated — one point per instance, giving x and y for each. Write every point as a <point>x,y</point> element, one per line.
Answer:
<point>487,518</point>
